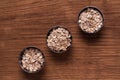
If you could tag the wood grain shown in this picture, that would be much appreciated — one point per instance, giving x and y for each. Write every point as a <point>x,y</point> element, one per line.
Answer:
<point>92,57</point>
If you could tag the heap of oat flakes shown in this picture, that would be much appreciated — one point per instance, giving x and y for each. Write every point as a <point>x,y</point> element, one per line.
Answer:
<point>90,20</point>
<point>32,60</point>
<point>59,40</point>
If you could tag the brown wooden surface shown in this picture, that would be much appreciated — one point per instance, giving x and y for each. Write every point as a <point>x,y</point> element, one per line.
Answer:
<point>26,22</point>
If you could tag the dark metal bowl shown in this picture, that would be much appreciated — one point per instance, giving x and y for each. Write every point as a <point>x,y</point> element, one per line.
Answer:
<point>91,7</point>
<point>20,59</point>
<point>49,32</point>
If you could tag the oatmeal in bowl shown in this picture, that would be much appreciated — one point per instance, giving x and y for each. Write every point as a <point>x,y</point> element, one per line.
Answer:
<point>31,60</point>
<point>59,39</point>
<point>90,20</point>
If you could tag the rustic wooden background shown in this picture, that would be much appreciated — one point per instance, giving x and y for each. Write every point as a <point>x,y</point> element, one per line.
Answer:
<point>92,57</point>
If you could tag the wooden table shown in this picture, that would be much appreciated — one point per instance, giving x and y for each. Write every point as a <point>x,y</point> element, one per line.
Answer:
<point>25,23</point>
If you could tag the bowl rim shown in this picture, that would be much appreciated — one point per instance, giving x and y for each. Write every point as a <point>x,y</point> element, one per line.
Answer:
<point>56,27</point>
<point>95,8</point>
<point>20,58</point>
